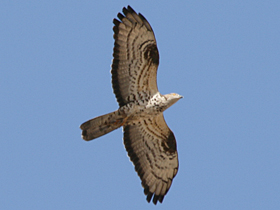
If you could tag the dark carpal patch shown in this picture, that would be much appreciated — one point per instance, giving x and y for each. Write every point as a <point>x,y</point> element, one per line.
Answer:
<point>151,53</point>
<point>169,144</point>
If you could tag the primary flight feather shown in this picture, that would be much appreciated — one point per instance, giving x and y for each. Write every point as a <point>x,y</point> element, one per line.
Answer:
<point>149,142</point>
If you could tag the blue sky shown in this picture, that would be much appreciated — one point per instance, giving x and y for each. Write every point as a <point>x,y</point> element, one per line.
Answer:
<point>222,56</point>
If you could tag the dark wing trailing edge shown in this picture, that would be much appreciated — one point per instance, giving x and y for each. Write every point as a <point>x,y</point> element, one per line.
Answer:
<point>151,146</point>
<point>136,57</point>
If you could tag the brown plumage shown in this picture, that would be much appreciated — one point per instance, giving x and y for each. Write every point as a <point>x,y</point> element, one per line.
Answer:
<point>150,144</point>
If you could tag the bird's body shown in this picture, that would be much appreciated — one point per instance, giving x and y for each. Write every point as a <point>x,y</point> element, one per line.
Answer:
<point>150,143</point>
<point>129,114</point>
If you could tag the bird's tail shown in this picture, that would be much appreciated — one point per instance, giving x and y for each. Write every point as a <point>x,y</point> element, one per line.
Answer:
<point>101,125</point>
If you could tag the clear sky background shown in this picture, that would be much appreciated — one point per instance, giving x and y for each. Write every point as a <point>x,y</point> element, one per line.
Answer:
<point>222,56</point>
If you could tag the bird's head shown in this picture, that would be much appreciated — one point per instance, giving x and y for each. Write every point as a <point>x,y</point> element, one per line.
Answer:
<point>172,98</point>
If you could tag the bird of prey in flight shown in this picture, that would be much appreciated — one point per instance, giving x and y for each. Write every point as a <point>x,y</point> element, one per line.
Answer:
<point>149,142</point>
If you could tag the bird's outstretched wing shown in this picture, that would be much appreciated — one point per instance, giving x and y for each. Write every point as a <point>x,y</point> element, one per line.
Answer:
<point>151,146</point>
<point>136,57</point>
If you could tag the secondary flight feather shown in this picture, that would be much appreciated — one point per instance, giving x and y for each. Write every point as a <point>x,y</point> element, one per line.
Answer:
<point>149,142</point>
